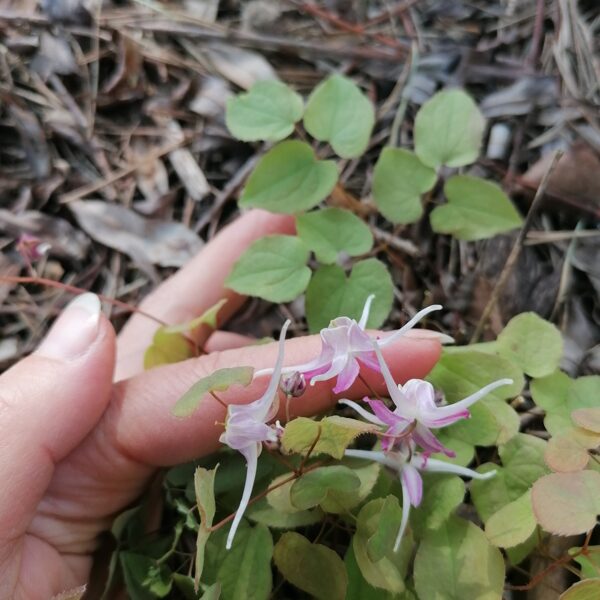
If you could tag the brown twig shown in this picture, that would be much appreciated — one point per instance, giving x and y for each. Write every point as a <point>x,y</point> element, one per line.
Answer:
<point>317,11</point>
<point>274,43</point>
<point>558,562</point>
<point>516,249</point>
<point>388,13</point>
<point>95,186</point>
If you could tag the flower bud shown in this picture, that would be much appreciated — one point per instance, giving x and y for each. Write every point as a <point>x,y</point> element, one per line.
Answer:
<point>293,384</point>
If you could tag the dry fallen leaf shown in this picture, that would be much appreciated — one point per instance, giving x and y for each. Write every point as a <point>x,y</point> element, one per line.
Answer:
<point>54,56</point>
<point>186,167</point>
<point>574,180</point>
<point>147,241</point>
<point>242,67</point>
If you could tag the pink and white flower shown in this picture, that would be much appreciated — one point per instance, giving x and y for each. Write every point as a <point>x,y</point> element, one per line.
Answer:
<point>246,428</point>
<point>346,345</point>
<point>415,407</point>
<point>407,464</point>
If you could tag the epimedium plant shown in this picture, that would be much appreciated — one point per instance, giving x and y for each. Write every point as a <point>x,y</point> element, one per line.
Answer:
<point>370,502</point>
<point>292,177</point>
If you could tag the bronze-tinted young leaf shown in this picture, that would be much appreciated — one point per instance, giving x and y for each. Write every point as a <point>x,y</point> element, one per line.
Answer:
<point>566,454</point>
<point>567,503</point>
<point>204,486</point>
<point>219,381</point>
<point>560,396</point>
<point>588,418</point>
<point>313,568</point>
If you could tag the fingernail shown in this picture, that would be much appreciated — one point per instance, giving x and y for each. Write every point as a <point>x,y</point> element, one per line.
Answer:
<point>428,334</point>
<point>74,331</point>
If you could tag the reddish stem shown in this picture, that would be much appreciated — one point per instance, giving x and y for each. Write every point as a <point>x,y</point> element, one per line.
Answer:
<point>77,290</point>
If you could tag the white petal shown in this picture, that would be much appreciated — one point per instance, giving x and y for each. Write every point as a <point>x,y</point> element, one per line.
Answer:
<point>251,455</point>
<point>395,392</point>
<point>266,400</point>
<point>365,414</point>
<point>373,455</point>
<point>405,513</point>
<point>400,332</point>
<point>439,466</point>
<point>463,404</point>
<point>365,313</point>
<point>337,366</point>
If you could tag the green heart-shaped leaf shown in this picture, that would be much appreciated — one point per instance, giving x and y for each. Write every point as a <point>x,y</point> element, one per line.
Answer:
<point>273,268</point>
<point>289,179</point>
<point>476,209</point>
<point>268,111</point>
<point>331,294</point>
<point>339,113</point>
<point>399,179</point>
<point>329,231</point>
<point>448,130</point>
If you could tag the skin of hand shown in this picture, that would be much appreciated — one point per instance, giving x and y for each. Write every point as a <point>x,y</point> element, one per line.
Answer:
<point>83,427</point>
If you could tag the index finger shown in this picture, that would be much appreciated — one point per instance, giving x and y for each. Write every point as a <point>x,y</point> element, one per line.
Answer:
<point>196,287</point>
<point>139,419</point>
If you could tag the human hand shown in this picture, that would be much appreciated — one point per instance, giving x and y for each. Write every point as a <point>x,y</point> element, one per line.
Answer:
<point>76,448</point>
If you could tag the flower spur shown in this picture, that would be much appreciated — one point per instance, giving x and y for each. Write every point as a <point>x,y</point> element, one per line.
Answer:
<point>246,429</point>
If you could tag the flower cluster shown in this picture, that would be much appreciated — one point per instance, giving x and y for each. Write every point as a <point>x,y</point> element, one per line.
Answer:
<point>404,428</point>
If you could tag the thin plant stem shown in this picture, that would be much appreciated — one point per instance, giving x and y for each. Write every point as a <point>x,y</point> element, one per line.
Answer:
<point>221,402</point>
<point>77,290</point>
<point>368,386</point>
<point>264,493</point>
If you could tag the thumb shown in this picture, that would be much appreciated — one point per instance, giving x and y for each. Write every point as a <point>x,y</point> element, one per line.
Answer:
<point>48,403</point>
